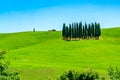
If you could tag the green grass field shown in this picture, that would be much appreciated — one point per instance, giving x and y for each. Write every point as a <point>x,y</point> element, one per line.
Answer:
<point>40,55</point>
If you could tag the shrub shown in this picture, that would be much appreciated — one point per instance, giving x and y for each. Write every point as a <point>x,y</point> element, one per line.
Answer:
<point>114,73</point>
<point>74,75</point>
<point>5,74</point>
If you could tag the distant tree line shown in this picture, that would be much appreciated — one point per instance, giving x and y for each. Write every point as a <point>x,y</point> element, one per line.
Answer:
<point>78,31</point>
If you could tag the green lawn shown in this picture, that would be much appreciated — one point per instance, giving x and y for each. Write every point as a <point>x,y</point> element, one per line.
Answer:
<point>40,55</point>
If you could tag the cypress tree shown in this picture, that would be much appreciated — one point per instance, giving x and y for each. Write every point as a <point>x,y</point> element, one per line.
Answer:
<point>33,29</point>
<point>99,30</point>
<point>96,30</point>
<point>89,31</point>
<point>66,33</point>
<point>77,30</point>
<point>72,35</point>
<point>93,30</point>
<point>63,31</point>
<point>80,30</point>
<point>85,30</point>
<point>70,32</point>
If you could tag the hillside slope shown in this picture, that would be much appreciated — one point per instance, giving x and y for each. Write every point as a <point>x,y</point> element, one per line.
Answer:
<point>25,39</point>
<point>43,54</point>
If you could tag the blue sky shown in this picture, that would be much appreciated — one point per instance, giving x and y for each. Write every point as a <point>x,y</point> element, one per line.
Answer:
<point>24,15</point>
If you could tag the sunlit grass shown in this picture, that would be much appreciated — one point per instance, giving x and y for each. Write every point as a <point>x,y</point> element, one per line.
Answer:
<point>41,55</point>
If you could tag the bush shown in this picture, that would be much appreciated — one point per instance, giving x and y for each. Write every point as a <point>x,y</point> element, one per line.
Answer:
<point>5,74</point>
<point>74,75</point>
<point>114,73</point>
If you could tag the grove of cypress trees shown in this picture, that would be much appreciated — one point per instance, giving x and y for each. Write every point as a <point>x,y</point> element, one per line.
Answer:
<point>77,31</point>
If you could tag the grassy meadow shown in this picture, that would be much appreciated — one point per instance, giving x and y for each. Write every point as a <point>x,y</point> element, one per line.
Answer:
<point>40,55</point>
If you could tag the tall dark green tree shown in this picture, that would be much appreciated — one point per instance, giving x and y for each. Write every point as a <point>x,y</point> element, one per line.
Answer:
<point>33,29</point>
<point>63,31</point>
<point>66,33</point>
<point>96,30</point>
<point>89,31</point>
<point>70,31</point>
<point>80,30</point>
<point>93,30</point>
<point>85,30</point>
<point>77,30</point>
<point>99,29</point>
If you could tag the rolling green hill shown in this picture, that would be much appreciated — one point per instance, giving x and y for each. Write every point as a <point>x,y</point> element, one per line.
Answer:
<point>40,55</point>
